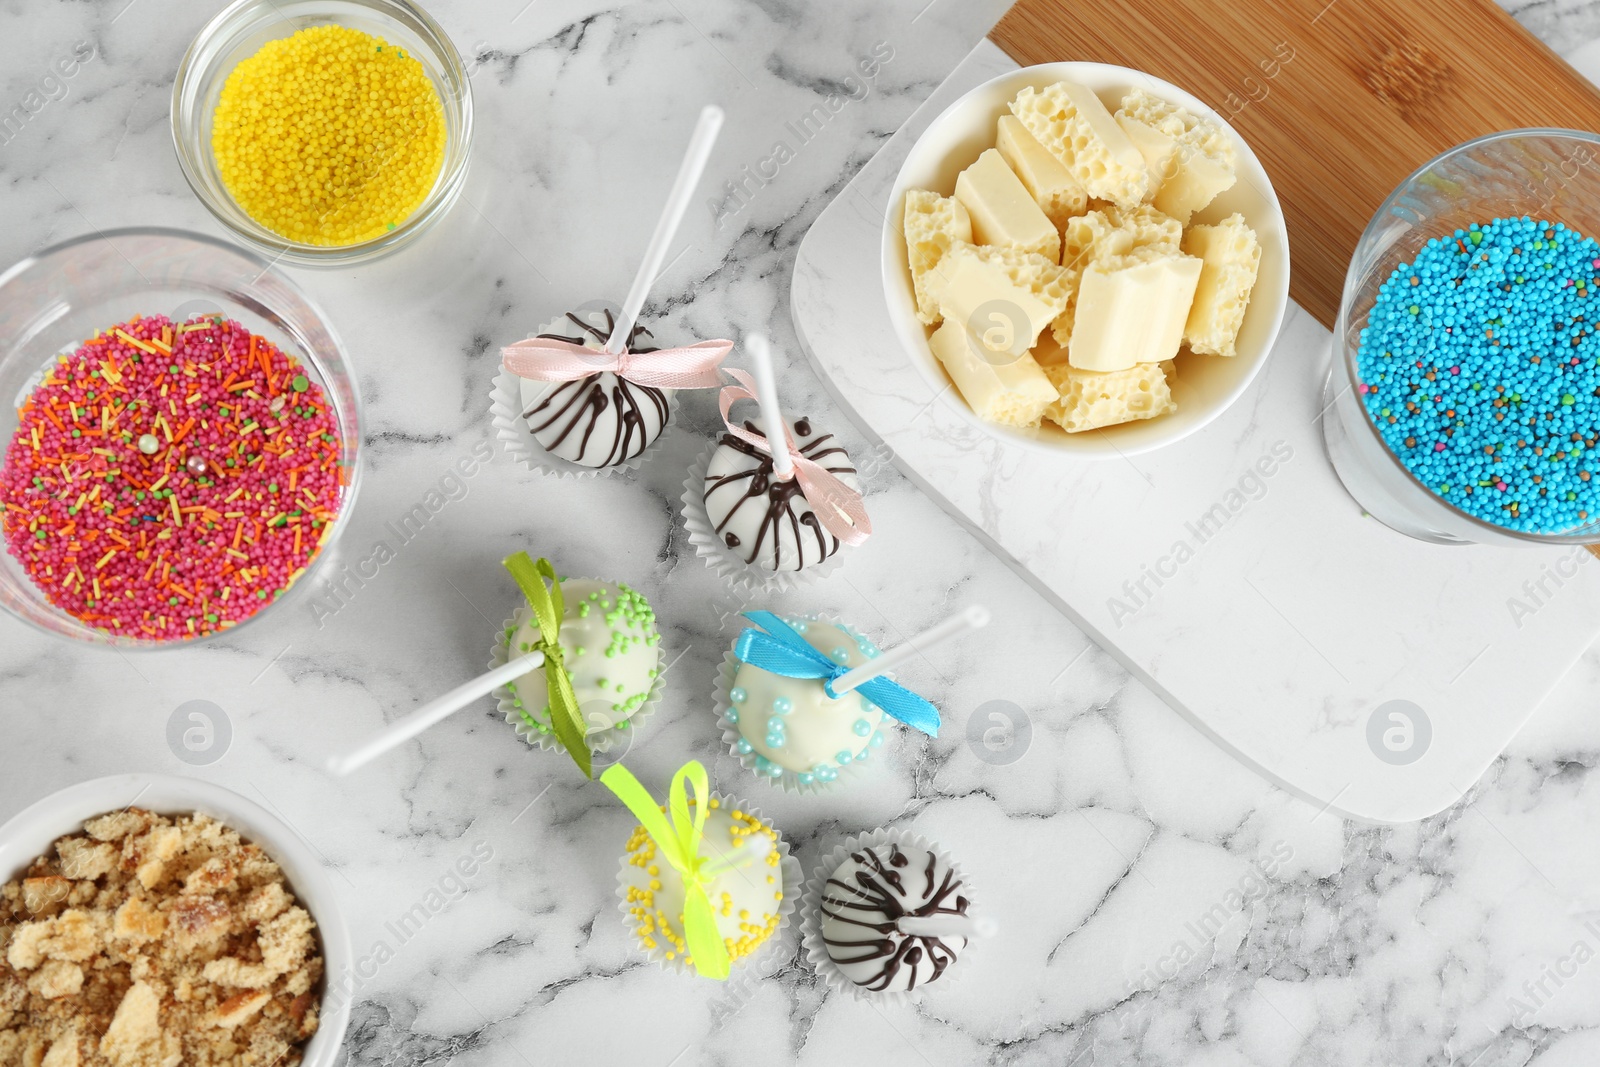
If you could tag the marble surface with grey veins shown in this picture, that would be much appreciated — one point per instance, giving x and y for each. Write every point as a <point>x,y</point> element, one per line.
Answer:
<point>1158,903</point>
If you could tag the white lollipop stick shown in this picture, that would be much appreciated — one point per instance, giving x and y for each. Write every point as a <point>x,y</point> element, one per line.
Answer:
<point>399,732</point>
<point>767,396</point>
<point>754,849</point>
<point>973,618</point>
<point>694,164</point>
<point>968,926</point>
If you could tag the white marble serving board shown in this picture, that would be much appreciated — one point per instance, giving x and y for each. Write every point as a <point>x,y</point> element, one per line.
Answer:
<point>1230,573</point>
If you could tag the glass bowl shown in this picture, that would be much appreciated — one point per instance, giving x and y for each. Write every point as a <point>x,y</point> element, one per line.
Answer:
<point>237,33</point>
<point>1542,173</point>
<point>54,300</point>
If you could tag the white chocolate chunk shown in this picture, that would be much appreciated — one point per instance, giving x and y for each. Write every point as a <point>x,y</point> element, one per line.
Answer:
<point>1074,126</point>
<point>1230,256</point>
<point>1203,160</point>
<point>933,225</point>
<point>1105,235</point>
<point>1092,399</point>
<point>1157,149</point>
<point>1002,210</point>
<point>1003,295</point>
<point>1006,389</point>
<point>1132,309</point>
<point>1052,186</point>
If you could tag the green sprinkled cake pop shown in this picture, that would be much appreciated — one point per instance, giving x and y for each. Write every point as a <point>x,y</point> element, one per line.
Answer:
<point>611,649</point>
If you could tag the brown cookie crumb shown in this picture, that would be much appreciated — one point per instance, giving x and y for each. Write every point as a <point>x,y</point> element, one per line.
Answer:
<point>148,941</point>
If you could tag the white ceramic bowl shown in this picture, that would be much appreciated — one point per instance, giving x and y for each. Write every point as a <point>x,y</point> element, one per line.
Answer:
<point>1205,385</point>
<point>30,834</point>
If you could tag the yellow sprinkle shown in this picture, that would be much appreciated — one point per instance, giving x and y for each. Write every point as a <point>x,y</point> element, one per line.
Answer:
<point>330,136</point>
<point>136,343</point>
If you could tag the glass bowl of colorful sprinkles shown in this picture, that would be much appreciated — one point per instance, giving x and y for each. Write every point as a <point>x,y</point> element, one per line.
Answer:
<point>323,132</point>
<point>1463,403</point>
<point>181,438</point>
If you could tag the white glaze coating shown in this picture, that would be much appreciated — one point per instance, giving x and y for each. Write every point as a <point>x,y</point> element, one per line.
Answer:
<point>745,897</point>
<point>865,896</point>
<point>817,730</point>
<point>579,421</point>
<point>766,522</point>
<point>609,688</point>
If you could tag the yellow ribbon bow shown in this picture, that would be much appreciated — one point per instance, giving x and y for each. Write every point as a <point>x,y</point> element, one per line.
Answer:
<point>679,841</point>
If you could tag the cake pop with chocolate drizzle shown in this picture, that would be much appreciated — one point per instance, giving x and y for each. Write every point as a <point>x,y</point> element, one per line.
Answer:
<point>864,902</point>
<point>779,497</point>
<point>602,419</point>
<point>767,520</point>
<point>590,395</point>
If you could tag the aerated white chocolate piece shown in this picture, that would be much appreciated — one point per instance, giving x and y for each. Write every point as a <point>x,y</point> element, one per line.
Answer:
<point>1132,309</point>
<point>1075,127</point>
<point>1052,186</point>
<point>1003,212</point>
<point>933,224</point>
<point>1230,256</point>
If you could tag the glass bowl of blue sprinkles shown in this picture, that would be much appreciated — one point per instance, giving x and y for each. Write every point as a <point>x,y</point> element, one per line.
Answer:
<point>1463,402</point>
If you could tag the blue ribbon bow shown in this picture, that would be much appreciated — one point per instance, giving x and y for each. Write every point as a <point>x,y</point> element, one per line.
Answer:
<point>781,650</point>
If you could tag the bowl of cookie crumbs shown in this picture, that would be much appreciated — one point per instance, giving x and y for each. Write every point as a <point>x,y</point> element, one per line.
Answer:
<point>151,921</point>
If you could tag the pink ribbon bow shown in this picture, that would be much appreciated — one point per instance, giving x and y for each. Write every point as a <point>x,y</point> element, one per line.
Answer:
<point>548,359</point>
<point>838,507</point>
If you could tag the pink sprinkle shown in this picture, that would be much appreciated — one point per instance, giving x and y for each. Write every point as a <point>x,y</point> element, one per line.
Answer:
<point>1595,264</point>
<point>1455,370</point>
<point>1565,282</point>
<point>1362,388</point>
<point>1438,446</point>
<point>1500,486</point>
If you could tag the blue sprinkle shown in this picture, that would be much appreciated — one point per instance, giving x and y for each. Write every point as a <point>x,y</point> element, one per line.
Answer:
<point>738,696</point>
<point>782,705</point>
<point>844,756</point>
<point>862,727</point>
<point>1480,367</point>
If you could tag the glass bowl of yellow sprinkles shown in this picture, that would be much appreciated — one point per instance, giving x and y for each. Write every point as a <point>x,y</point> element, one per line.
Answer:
<point>323,133</point>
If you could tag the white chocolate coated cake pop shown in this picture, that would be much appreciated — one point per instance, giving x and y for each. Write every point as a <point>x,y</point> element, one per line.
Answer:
<point>600,420</point>
<point>765,520</point>
<point>863,901</point>
<point>611,649</point>
<point>792,724</point>
<point>746,892</point>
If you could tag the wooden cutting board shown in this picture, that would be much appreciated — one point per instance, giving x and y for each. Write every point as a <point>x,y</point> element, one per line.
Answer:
<point>1339,100</point>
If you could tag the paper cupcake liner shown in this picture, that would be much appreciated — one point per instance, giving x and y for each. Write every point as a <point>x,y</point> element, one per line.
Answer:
<point>789,780</point>
<point>748,971</point>
<point>601,741</point>
<point>746,579</point>
<point>811,917</point>
<point>505,412</point>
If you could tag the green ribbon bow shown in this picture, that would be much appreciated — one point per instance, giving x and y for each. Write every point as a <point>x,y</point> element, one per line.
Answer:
<point>679,842</point>
<point>548,611</point>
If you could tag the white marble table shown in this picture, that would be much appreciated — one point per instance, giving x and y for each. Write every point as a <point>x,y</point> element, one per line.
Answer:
<point>1161,903</point>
